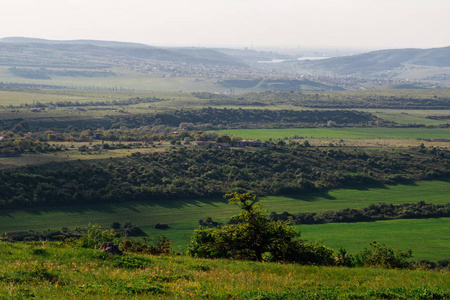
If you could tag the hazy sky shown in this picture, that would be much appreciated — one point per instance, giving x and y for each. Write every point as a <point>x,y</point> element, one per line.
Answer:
<point>334,23</point>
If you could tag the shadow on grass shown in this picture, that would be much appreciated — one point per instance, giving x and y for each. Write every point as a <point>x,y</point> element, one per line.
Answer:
<point>111,208</point>
<point>313,196</point>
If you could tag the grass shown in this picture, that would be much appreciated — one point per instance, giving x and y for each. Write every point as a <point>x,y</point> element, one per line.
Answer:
<point>183,215</point>
<point>428,238</point>
<point>410,116</point>
<point>45,158</point>
<point>46,270</point>
<point>347,132</point>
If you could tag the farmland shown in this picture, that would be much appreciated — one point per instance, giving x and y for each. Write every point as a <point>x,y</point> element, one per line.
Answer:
<point>183,215</point>
<point>341,133</point>
<point>108,157</point>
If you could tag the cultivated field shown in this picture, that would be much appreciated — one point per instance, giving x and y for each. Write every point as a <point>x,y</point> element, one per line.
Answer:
<point>363,133</point>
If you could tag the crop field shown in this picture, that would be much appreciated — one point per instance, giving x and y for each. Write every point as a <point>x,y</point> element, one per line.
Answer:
<point>428,238</point>
<point>348,132</point>
<point>411,116</point>
<point>123,80</point>
<point>182,216</point>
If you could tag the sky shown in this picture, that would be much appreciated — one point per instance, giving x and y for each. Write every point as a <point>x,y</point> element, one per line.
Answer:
<point>234,23</point>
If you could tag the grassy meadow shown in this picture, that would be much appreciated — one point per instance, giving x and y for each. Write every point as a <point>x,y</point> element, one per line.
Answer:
<point>183,215</point>
<point>53,271</point>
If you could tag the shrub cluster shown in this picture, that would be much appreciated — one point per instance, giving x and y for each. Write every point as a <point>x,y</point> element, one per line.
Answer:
<point>374,212</point>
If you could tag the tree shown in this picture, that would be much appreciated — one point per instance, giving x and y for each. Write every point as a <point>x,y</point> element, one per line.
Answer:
<point>255,237</point>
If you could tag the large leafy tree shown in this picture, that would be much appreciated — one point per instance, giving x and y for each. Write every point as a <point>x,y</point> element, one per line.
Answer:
<point>255,237</point>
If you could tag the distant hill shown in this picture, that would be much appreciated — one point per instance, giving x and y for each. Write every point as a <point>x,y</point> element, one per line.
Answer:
<point>373,63</point>
<point>31,52</point>
<point>25,40</point>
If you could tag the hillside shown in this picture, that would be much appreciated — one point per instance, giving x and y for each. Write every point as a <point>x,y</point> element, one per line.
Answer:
<point>383,63</point>
<point>59,271</point>
<point>100,54</point>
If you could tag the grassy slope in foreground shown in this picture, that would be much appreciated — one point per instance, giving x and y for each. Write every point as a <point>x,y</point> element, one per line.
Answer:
<point>346,132</point>
<point>182,216</point>
<point>44,270</point>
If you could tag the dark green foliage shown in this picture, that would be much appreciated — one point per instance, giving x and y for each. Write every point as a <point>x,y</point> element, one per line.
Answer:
<point>197,172</point>
<point>65,234</point>
<point>96,235</point>
<point>132,262</point>
<point>203,118</point>
<point>256,238</point>
<point>160,246</point>
<point>208,222</point>
<point>39,251</point>
<point>334,100</point>
<point>382,256</point>
<point>161,226</point>
<point>372,213</point>
<point>115,225</point>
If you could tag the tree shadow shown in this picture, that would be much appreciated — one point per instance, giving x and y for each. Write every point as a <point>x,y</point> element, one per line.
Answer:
<point>112,208</point>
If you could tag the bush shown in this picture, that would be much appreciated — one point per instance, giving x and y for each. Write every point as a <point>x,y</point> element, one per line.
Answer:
<point>382,256</point>
<point>161,226</point>
<point>161,246</point>
<point>96,235</point>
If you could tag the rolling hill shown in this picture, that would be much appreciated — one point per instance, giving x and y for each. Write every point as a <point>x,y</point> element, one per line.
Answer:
<point>398,63</point>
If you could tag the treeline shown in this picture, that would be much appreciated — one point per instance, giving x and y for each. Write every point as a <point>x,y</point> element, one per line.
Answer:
<point>205,118</point>
<point>373,212</point>
<point>415,100</point>
<point>43,73</point>
<point>17,85</point>
<point>196,172</point>
<point>128,229</point>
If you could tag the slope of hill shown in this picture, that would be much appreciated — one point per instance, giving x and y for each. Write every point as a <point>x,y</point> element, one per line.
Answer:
<point>52,270</point>
<point>25,40</point>
<point>100,54</point>
<point>381,63</point>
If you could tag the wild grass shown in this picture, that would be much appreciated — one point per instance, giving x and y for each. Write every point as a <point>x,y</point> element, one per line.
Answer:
<point>48,270</point>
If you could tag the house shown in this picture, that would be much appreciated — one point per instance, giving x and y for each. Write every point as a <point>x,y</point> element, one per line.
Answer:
<point>252,143</point>
<point>214,145</point>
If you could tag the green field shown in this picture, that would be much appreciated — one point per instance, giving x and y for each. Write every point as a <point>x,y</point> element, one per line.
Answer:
<point>182,216</point>
<point>428,238</point>
<point>411,116</point>
<point>347,132</point>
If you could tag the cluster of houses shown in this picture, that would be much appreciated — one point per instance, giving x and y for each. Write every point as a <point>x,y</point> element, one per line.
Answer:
<point>241,143</point>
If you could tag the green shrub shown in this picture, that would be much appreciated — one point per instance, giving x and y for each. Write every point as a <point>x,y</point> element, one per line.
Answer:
<point>96,235</point>
<point>382,256</point>
<point>161,246</point>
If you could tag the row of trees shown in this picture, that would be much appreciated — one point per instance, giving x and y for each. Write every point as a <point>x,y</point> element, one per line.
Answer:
<point>206,118</point>
<point>374,212</point>
<point>418,99</point>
